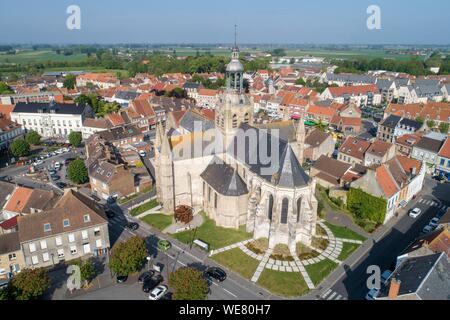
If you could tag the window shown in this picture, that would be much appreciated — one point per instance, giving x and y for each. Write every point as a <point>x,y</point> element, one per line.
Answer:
<point>32,247</point>
<point>284,211</point>
<point>12,257</point>
<point>43,245</point>
<point>45,257</point>
<point>270,208</point>
<point>47,227</point>
<point>299,209</point>
<point>96,232</point>
<point>71,237</point>
<point>34,260</point>
<point>442,162</point>
<point>448,164</point>
<point>58,241</point>
<point>60,253</point>
<point>99,243</point>
<point>66,223</point>
<point>84,234</point>
<point>86,248</point>
<point>73,250</point>
<point>215,200</point>
<point>86,218</point>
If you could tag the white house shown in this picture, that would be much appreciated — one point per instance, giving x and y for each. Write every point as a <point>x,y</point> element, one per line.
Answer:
<point>50,120</point>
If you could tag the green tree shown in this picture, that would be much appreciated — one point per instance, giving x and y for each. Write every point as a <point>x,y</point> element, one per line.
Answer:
<point>188,284</point>
<point>75,138</point>
<point>420,120</point>
<point>444,127</point>
<point>366,206</point>
<point>29,284</point>
<point>431,124</point>
<point>33,138</point>
<point>301,82</point>
<point>87,269</point>
<point>128,257</point>
<point>77,172</point>
<point>20,148</point>
<point>5,89</point>
<point>70,81</point>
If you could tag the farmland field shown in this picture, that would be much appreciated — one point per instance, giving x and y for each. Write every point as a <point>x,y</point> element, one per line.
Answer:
<point>352,54</point>
<point>39,56</point>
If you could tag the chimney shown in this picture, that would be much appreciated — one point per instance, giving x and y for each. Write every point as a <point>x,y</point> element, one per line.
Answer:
<point>394,289</point>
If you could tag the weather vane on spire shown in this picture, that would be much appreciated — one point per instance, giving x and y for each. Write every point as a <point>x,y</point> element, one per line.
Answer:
<point>235,35</point>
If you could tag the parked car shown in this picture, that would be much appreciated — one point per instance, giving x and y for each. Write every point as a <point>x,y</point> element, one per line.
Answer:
<point>427,229</point>
<point>215,274</point>
<point>164,245</point>
<point>122,279</point>
<point>373,294</point>
<point>132,226</point>
<point>415,213</point>
<point>434,222</point>
<point>55,177</point>
<point>61,185</point>
<point>152,283</point>
<point>143,154</point>
<point>146,276</point>
<point>52,172</point>
<point>38,162</point>
<point>110,200</point>
<point>385,276</point>
<point>65,150</point>
<point>57,165</point>
<point>158,293</point>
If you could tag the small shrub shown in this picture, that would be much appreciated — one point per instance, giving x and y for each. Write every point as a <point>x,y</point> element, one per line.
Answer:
<point>259,246</point>
<point>320,243</point>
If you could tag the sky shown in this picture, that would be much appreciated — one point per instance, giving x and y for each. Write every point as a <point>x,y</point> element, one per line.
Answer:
<point>212,21</point>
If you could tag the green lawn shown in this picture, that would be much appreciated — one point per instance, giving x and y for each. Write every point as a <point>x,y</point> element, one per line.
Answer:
<point>319,271</point>
<point>347,250</point>
<point>158,221</point>
<point>216,237</point>
<point>237,261</point>
<point>145,207</point>
<point>344,233</point>
<point>287,284</point>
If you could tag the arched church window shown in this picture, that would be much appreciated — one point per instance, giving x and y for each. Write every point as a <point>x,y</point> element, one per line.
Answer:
<point>246,118</point>
<point>270,208</point>
<point>284,211</point>
<point>235,121</point>
<point>299,209</point>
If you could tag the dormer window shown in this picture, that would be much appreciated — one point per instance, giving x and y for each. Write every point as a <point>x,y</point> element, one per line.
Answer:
<point>86,218</point>
<point>66,223</point>
<point>47,227</point>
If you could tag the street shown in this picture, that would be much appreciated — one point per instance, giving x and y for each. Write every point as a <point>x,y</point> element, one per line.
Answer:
<point>384,251</point>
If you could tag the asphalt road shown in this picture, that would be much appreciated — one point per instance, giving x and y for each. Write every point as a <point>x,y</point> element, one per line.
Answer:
<point>234,288</point>
<point>352,285</point>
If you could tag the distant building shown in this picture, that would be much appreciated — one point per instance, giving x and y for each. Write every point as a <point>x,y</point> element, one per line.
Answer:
<point>9,130</point>
<point>443,161</point>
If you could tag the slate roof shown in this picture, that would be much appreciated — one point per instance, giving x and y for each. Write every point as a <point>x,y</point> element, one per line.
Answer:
<point>224,179</point>
<point>193,122</point>
<point>332,167</point>
<point>191,85</point>
<point>6,189</point>
<point>120,133</point>
<point>411,124</point>
<point>57,108</point>
<point>429,144</point>
<point>126,95</point>
<point>427,276</point>
<point>9,242</point>
<point>281,169</point>
<point>391,121</point>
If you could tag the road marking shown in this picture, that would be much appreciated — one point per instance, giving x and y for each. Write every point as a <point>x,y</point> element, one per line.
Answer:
<point>332,296</point>
<point>230,293</point>
<point>421,201</point>
<point>326,293</point>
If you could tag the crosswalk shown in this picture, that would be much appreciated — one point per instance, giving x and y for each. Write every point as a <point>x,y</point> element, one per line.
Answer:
<point>434,204</point>
<point>331,295</point>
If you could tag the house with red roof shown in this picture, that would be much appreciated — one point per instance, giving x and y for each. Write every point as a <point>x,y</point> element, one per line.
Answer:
<point>359,95</point>
<point>321,113</point>
<point>207,98</point>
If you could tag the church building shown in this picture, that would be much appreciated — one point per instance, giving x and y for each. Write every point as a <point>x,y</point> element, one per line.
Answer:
<point>238,174</point>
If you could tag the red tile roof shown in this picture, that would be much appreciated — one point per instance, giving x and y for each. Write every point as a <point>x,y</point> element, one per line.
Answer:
<point>208,92</point>
<point>355,147</point>
<point>6,110</point>
<point>321,111</point>
<point>409,164</point>
<point>352,90</point>
<point>386,181</point>
<point>9,224</point>
<point>445,150</point>
<point>19,199</point>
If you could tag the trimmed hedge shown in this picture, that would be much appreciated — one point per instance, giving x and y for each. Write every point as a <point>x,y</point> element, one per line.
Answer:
<point>366,206</point>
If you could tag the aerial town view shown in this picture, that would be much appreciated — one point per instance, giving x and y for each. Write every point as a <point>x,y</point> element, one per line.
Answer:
<point>228,152</point>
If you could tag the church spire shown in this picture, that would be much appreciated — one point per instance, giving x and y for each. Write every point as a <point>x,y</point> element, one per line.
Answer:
<point>235,69</point>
